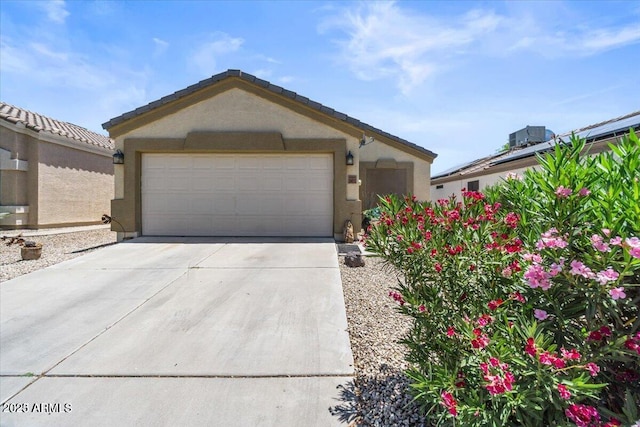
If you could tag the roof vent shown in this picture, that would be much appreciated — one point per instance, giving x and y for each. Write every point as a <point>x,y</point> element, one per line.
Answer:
<point>528,136</point>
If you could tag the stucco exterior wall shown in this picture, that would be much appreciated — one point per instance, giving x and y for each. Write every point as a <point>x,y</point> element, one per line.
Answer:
<point>421,168</point>
<point>46,181</point>
<point>455,187</point>
<point>238,110</point>
<point>74,186</point>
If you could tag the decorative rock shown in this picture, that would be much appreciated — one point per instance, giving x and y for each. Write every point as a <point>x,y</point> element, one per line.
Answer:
<point>348,232</point>
<point>354,259</point>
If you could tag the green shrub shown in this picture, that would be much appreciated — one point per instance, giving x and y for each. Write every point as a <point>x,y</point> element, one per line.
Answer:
<point>524,301</point>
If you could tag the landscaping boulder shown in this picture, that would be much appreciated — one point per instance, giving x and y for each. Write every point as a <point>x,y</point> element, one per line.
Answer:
<point>354,259</point>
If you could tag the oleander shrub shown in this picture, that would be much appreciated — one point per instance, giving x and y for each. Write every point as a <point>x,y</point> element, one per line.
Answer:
<point>524,300</point>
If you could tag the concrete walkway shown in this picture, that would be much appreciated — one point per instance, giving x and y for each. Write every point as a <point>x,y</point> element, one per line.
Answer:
<point>175,331</point>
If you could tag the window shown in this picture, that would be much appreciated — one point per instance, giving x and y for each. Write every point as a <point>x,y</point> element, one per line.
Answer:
<point>473,185</point>
<point>438,187</point>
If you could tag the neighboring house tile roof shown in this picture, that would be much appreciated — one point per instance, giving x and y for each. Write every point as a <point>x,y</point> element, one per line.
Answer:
<point>39,123</point>
<point>592,133</point>
<point>266,85</point>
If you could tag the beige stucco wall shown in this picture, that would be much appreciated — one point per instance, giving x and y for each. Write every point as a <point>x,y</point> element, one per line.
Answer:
<point>421,168</point>
<point>74,186</point>
<point>50,180</point>
<point>238,110</point>
<point>455,187</point>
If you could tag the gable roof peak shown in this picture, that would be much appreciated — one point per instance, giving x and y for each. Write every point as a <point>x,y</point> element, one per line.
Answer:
<point>235,73</point>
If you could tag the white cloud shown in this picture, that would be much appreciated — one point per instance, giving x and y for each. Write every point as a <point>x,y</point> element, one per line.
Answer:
<point>48,66</point>
<point>161,46</point>
<point>286,79</point>
<point>386,40</point>
<point>205,57</point>
<point>604,39</point>
<point>56,10</point>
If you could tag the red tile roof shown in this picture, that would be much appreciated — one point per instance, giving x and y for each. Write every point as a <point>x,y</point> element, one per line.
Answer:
<point>39,123</point>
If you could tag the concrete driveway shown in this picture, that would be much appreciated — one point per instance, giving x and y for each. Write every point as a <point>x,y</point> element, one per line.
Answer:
<point>177,331</point>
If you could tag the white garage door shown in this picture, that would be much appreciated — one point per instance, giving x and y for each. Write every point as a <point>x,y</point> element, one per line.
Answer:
<point>237,195</point>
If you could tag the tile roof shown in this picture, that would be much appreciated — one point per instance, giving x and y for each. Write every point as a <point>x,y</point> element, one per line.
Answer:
<point>39,123</point>
<point>607,129</point>
<point>268,86</point>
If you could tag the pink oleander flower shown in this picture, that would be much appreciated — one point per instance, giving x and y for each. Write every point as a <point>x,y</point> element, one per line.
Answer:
<point>397,297</point>
<point>556,268</point>
<point>550,239</point>
<point>536,258</point>
<point>583,415</point>
<point>451,331</point>
<point>608,275</point>
<point>493,305</point>
<point>579,269</point>
<point>421,308</point>
<point>484,320</point>
<point>570,354</point>
<point>536,276</point>
<point>584,192</point>
<point>563,192</point>
<point>592,368</point>
<point>518,297</point>
<point>634,246</point>
<point>616,241</point>
<point>530,348</point>
<point>550,359</point>
<point>540,314</point>
<point>564,393</point>
<point>449,402</point>
<point>480,342</point>
<point>617,293</point>
<point>599,244</point>
<point>606,232</point>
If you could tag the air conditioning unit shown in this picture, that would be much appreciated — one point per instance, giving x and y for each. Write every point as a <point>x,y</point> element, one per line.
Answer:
<point>528,136</point>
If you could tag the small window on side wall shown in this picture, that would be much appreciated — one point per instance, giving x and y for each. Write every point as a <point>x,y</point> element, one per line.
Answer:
<point>473,185</point>
<point>438,187</point>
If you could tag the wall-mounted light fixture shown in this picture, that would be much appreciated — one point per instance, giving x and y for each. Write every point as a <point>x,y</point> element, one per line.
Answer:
<point>118,158</point>
<point>349,159</point>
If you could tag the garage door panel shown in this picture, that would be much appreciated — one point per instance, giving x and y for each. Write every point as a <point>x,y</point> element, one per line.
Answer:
<point>247,183</point>
<point>272,183</point>
<point>224,204</point>
<point>237,194</point>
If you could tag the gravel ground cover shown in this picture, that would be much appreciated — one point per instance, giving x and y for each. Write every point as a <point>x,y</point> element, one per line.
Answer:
<point>379,395</point>
<point>56,248</point>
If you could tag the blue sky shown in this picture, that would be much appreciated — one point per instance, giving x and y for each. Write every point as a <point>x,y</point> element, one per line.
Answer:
<point>454,77</point>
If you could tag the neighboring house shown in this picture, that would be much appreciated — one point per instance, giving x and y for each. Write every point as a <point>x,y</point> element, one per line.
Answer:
<point>234,155</point>
<point>52,173</point>
<point>492,169</point>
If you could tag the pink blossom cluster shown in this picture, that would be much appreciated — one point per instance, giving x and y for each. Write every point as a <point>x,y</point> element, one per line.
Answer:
<point>397,297</point>
<point>599,334</point>
<point>579,269</point>
<point>562,192</point>
<point>606,276</point>
<point>583,415</point>
<point>481,339</point>
<point>550,239</point>
<point>449,402</point>
<point>633,343</point>
<point>633,243</point>
<point>537,277</point>
<point>498,376</point>
<point>599,244</point>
